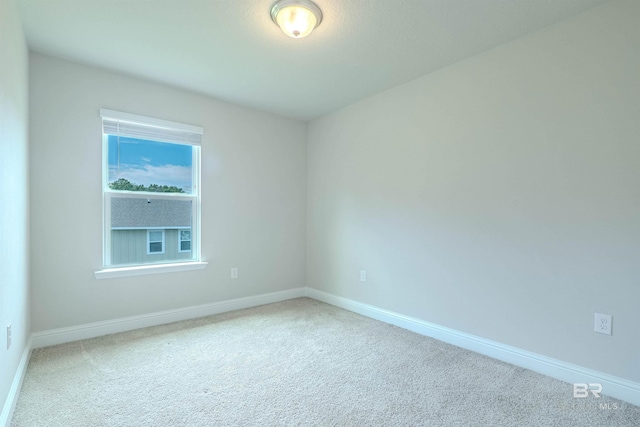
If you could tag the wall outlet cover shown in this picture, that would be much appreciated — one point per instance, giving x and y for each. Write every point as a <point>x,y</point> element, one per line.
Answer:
<point>603,323</point>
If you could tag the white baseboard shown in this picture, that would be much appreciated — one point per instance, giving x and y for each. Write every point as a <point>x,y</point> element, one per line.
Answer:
<point>96,329</point>
<point>16,385</point>
<point>618,388</point>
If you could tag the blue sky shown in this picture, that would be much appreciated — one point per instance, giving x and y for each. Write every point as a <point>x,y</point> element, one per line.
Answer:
<point>148,162</point>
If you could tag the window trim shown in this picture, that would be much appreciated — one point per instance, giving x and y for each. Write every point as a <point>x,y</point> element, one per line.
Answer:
<point>195,261</point>
<point>161,241</point>
<point>146,269</point>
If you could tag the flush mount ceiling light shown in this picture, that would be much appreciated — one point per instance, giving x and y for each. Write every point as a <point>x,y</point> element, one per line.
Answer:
<point>296,18</point>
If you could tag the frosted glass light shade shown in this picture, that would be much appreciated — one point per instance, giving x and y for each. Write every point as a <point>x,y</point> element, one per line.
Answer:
<point>296,18</point>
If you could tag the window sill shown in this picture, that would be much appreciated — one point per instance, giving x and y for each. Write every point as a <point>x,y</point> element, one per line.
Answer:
<point>141,270</point>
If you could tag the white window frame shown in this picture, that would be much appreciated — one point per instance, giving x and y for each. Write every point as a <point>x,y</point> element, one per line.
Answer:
<point>175,132</point>
<point>149,241</point>
<point>180,230</point>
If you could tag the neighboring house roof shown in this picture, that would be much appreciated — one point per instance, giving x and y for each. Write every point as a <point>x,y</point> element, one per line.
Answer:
<point>150,213</point>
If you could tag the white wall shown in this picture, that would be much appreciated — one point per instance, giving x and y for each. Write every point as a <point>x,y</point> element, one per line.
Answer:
<point>14,194</point>
<point>498,196</point>
<point>253,197</point>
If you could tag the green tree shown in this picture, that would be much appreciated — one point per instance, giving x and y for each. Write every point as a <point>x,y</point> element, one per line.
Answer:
<point>126,185</point>
<point>122,184</point>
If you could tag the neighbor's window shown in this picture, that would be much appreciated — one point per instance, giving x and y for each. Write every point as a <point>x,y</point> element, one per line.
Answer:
<point>185,241</point>
<point>151,181</point>
<point>155,240</point>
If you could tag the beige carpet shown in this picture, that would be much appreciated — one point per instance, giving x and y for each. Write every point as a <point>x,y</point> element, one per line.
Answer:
<point>299,362</point>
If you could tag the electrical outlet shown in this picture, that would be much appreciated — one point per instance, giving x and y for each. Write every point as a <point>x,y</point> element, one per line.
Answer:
<point>8,336</point>
<point>603,323</point>
<point>234,273</point>
<point>363,276</point>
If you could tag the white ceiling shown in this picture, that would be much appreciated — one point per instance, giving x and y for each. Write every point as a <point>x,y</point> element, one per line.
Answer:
<point>231,50</point>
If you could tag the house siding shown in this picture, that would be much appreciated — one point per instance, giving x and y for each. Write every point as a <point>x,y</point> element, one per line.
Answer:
<point>130,247</point>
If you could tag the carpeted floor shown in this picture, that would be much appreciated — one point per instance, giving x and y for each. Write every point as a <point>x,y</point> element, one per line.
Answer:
<point>299,362</point>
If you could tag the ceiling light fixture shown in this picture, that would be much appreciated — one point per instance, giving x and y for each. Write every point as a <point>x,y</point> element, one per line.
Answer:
<point>296,18</point>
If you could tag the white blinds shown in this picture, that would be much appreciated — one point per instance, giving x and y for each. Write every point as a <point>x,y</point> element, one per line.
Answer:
<point>134,126</point>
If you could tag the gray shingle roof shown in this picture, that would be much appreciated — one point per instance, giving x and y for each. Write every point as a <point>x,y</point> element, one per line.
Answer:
<point>131,213</point>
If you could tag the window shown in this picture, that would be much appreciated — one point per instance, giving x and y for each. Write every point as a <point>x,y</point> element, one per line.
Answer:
<point>184,242</point>
<point>151,189</point>
<point>155,242</point>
